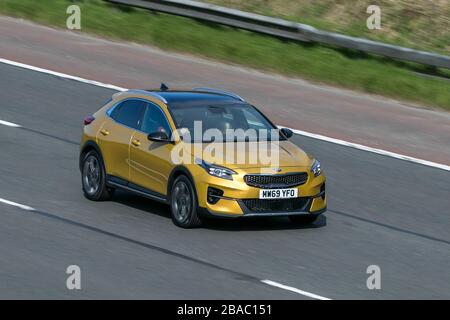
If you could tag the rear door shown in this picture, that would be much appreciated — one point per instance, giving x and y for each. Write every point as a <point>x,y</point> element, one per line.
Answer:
<point>115,135</point>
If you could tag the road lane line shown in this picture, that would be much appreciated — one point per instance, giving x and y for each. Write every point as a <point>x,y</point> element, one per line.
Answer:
<point>373,150</point>
<point>10,124</point>
<point>296,131</point>
<point>61,75</point>
<point>288,288</point>
<point>18,205</point>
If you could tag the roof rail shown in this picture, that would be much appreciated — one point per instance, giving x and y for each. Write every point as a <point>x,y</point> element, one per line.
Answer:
<point>149,93</point>
<point>226,93</point>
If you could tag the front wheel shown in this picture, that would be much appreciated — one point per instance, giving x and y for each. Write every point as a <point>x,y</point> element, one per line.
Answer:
<point>183,204</point>
<point>304,219</point>
<point>93,178</point>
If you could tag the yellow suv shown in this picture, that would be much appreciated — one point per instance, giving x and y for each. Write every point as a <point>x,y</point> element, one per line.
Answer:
<point>166,145</point>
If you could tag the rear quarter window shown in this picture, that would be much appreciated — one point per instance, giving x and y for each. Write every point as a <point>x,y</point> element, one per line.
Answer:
<point>129,113</point>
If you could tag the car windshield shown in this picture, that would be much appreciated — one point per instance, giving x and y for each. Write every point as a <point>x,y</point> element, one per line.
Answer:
<point>213,122</point>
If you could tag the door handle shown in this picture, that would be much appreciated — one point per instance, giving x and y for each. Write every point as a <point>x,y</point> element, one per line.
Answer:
<point>104,132</point>
<point>135,142</point>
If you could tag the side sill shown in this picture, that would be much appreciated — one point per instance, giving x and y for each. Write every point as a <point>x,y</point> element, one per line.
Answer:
<point>124,185</point>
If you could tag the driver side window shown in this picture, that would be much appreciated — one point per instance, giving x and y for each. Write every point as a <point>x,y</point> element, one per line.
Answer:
<point>155,120</point>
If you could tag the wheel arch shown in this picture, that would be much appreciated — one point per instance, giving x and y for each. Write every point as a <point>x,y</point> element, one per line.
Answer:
<point>176,172</point>
<point>88,146</point>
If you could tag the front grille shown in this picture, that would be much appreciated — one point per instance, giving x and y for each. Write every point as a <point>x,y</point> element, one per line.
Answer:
<point>276,205</point>
<point>273,181</point>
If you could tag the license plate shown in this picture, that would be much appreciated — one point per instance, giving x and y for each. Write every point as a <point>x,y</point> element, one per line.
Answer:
<point>278,193</point>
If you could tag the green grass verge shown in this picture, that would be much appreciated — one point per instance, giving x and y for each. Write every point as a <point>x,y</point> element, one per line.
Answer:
<point>314,62</point>
<point>419,24</point>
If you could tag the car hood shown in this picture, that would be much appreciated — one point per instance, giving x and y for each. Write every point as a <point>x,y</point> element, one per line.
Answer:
<point>288,155</point>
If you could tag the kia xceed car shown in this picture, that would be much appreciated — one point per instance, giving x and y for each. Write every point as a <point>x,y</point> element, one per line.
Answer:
<point>131,141</point>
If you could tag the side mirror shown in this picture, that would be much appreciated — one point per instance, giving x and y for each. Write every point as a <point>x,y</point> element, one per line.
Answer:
<point>159,137</point>
<point>286,132</point>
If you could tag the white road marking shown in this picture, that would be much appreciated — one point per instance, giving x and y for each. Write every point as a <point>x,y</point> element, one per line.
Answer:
<point>373,150</point>
<point>18,205</point>
<point>300,132</point>
<point>62,75</point>
<point>9,124</point>
<point>288,288</point>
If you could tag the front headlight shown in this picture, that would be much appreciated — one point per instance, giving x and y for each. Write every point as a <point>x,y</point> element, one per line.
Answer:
<point>216,170</point>
<point>316,169</point>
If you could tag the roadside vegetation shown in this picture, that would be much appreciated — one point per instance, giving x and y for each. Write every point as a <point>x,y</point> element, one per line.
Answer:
<point>344,68</point>
<point>419,24</point>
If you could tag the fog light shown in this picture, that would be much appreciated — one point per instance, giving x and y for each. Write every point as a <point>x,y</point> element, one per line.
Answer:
<point>214,195</point>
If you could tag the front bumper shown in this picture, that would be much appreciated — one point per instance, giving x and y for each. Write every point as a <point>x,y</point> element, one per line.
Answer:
<point>304,209</point>
<point>314,205</point>
<point>237,199</point>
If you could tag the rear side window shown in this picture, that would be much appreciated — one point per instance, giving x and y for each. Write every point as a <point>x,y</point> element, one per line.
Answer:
<point>129,113</point>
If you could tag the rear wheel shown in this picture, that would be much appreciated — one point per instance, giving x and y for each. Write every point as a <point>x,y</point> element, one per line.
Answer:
<point>183,203</point>
<point>93,178</point>
<point>304,219</point>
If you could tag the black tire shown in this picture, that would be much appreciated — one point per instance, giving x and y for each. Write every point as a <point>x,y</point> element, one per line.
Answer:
<point>93,177</point>
<point>183,203</point>
<point>304,219</point>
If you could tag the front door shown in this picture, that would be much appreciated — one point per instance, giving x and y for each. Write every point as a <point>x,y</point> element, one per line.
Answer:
<point>150,161</point>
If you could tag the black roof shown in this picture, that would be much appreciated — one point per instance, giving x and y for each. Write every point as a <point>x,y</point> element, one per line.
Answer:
<point>190,96</point>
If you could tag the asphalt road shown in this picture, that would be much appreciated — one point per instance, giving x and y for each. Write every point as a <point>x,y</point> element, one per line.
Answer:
<point>382,211</point>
